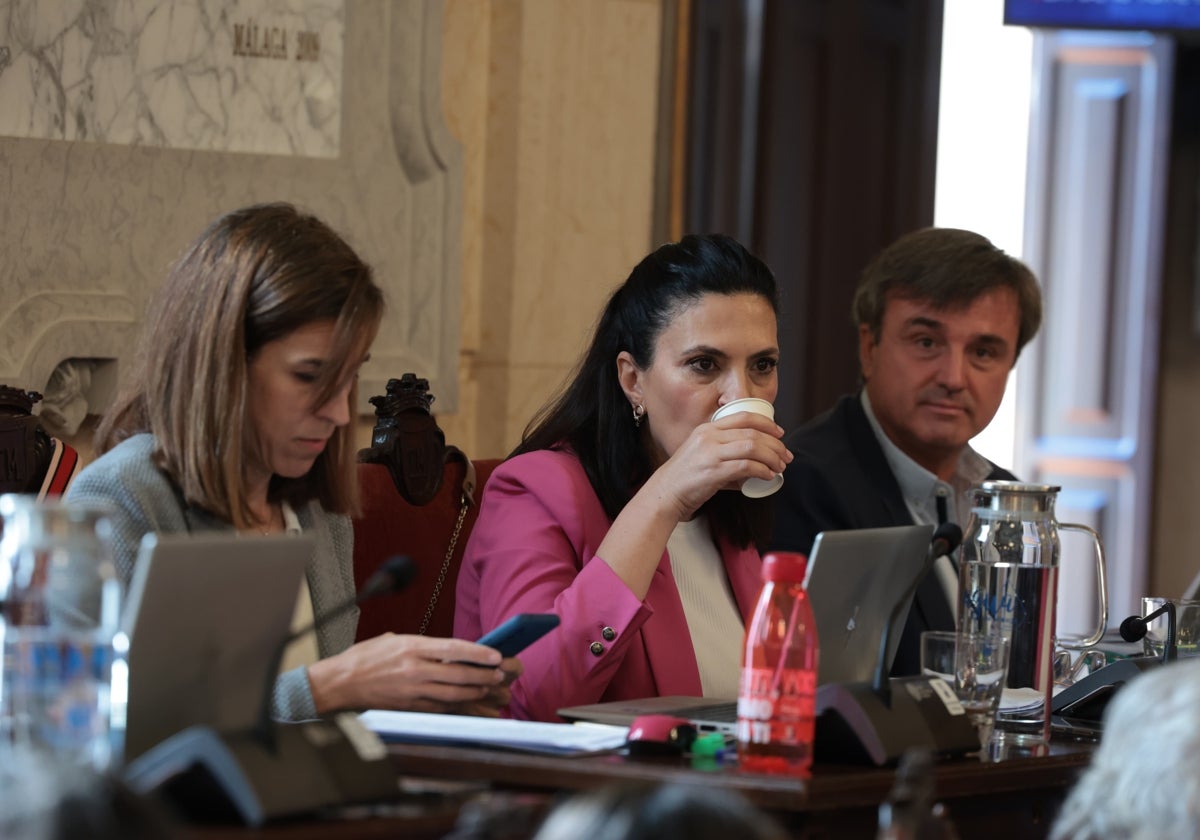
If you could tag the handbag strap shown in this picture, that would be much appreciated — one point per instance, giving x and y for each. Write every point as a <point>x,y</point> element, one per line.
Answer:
<point>465,502</point>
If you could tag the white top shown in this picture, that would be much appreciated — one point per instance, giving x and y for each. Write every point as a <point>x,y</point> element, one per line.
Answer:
<point>303,651</point>
<point>712,614</point>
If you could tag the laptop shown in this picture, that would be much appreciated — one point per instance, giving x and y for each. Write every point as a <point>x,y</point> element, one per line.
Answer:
<point>853,580</point>
<point>205,615</point>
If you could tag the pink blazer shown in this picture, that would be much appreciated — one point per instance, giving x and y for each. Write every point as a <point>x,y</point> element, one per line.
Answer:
<point>533,549</point>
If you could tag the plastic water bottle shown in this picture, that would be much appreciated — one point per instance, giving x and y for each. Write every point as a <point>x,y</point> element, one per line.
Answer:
<point>777,700</point>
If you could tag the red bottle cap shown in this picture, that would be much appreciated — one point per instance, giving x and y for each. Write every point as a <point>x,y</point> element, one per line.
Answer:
<point>786,566</point>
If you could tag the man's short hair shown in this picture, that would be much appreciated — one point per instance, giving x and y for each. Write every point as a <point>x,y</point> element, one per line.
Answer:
<point>950,268</point>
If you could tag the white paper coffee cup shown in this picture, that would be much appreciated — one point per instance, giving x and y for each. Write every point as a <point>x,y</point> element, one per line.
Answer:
<point>754,488</point>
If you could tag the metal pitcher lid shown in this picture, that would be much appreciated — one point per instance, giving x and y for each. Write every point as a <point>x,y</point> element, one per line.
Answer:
<point>1000,486</point>
<point>1015,496</point>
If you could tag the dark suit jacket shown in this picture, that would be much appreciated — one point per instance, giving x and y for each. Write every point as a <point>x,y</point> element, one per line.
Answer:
<point>841,479</point>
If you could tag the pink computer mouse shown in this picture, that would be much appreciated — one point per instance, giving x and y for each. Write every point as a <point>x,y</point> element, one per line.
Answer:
<point>660,734</point>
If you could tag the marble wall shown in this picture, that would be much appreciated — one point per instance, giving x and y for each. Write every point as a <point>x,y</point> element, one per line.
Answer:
<point>253,76</point>
<point>138,127</point>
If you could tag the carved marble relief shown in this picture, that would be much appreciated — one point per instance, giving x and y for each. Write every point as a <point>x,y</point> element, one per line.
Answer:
<point>126,127</point>
<point>255,76</point>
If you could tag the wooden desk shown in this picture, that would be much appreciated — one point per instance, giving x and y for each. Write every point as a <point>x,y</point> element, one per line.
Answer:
<point>1016,798</point>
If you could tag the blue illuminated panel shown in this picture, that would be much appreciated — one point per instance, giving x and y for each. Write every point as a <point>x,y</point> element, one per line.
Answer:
<point>1105,14</point>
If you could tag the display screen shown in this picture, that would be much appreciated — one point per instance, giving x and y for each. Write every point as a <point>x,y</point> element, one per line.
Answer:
<point>1105,14</point>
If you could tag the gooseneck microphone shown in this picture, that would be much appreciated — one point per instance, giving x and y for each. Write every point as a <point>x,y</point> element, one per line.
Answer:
<point>1133,629</point>
<point>945,539</point>
<point>1087,698</point>
<point>393,575</point>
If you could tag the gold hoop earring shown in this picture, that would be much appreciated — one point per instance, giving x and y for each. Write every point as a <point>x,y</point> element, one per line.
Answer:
<point>639,412</point>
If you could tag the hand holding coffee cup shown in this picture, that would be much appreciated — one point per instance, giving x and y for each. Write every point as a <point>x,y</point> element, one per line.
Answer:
<point>754,488</point>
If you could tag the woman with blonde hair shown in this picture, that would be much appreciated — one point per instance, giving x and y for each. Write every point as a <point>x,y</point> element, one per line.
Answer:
<point>236,417</point>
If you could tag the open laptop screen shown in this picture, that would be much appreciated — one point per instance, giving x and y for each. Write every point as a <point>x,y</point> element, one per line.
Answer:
<point>205,615</point>
<point>854,580</point>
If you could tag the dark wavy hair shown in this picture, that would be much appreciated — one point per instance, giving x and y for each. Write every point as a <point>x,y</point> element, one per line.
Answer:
<point>591,414</point>
<point>950,268</point>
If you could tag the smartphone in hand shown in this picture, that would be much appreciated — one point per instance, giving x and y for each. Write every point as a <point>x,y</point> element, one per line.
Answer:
<point>519,632</point>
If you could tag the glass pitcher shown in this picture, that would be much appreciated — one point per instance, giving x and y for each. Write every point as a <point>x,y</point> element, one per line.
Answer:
<point>61,685</point>
<point>1008,584</point>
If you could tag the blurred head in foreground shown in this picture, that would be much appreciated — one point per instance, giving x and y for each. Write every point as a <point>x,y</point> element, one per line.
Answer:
<point>1144,780</point>
<point>671,812</point>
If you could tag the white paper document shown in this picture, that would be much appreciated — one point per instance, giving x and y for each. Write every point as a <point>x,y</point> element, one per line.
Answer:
<point>559,738</point>
<point>1024,699</point>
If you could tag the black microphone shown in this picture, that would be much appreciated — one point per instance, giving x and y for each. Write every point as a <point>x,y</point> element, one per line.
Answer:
<point>393,574</point>
<point>1089,697</point>
<point>1133,629</point>
<point>945,539</point>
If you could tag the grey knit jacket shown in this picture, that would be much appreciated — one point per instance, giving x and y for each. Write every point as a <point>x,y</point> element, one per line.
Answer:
<point>146,501</point>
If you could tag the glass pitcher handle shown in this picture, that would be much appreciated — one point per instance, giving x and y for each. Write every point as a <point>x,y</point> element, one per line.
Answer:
<point>1101,585</point>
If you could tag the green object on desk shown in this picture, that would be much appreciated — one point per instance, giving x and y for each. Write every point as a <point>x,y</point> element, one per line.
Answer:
<point>710,751</point>
<point>708,745</point>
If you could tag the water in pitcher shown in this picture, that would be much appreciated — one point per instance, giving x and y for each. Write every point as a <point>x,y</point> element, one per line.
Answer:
<point>62,691</point>
<point>1016,600</point>
<point>1008,584</point>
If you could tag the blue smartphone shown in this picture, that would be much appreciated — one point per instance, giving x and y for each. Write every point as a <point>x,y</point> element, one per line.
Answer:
<point>519,632</point>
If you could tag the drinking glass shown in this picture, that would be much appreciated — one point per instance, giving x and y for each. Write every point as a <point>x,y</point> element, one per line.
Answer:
<point>1187,627</point>
<point>976,665</point>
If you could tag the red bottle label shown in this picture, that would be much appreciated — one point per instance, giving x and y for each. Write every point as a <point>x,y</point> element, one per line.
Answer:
<point>776,707</point>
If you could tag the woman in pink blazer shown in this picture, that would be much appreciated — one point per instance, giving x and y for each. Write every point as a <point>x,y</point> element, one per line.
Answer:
<point>620,509</point>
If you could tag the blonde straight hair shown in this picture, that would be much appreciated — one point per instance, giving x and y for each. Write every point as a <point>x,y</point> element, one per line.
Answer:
<point>253,276</point>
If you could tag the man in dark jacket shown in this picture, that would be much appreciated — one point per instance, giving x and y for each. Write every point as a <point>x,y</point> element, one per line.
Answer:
<point>942,315</point>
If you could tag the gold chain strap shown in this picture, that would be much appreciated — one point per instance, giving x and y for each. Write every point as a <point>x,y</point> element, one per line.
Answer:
<point>464,504</point>
<point>445,567</point>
